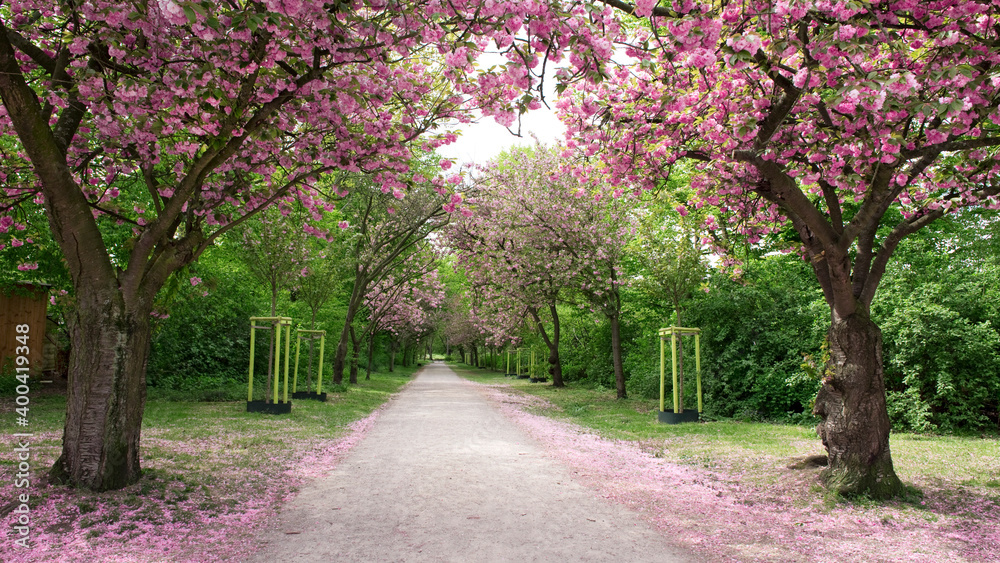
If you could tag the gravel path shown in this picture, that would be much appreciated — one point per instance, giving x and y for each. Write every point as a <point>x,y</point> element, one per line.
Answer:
<point>443,476</point>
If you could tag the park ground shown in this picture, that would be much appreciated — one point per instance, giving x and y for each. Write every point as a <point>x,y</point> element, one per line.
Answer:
<point>216,476</point>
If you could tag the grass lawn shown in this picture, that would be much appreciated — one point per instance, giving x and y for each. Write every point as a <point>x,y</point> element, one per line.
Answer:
<point>212,473</point>
<point>952,506</point>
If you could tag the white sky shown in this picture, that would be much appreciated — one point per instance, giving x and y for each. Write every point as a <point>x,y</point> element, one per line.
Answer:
<point>485,139</point>
<point>482,141</point>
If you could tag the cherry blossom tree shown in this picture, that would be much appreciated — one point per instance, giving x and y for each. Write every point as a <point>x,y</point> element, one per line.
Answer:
<point>513,269</point>
<point>386,232</point>
<point>536,236</point>
<point>402,304</point>
<point>851,125</point>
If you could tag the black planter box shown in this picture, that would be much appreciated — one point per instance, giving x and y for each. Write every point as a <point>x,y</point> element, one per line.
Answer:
<point>671,417</point>
<point>539,379</point>
<point>524,376</point>
<point>321,397</point>
<point>280,407</point>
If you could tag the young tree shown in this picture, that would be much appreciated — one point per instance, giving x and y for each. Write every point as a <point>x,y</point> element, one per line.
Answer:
<point>670,257</point>
<point>324,276</point>
<point>853,125</point>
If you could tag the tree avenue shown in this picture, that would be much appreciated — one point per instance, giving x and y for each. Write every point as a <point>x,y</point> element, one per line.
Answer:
<point>854,125</point>
<point>847,125</point>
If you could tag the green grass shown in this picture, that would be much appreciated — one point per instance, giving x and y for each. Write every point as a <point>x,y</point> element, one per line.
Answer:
<point>761,450</point>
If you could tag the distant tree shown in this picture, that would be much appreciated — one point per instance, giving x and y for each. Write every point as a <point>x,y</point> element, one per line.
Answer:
<point>537,235</point>
<point>385,232</point>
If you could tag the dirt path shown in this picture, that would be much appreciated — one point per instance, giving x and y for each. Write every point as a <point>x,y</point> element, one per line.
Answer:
<point>443,476</point>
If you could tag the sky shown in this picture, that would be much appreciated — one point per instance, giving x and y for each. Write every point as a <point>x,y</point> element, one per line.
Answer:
<point>486,139</point>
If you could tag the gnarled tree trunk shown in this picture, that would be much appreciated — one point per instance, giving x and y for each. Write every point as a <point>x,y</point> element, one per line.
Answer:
<point>851,402</point>
<point>107,391</point>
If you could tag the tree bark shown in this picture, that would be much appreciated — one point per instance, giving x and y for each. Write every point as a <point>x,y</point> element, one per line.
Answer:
<point>616,356</point>
<point>555,364</point>
<point>312,340</point>
<point>340,356</point>
<point>355,353</point>
<point>851,403</point>
<point>371,356</point>
<point>106,392</point>
<point>680,360</point>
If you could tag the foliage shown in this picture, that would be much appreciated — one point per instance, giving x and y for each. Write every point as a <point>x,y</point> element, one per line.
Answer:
<point>756,330</point>
<point>274,249</point>
<point>205,341</point>
<point>941,324</point>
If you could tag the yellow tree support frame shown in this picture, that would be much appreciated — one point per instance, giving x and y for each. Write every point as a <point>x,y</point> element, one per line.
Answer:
<point>673,332</point>
<point>276,324</point>
<point>298,344</point>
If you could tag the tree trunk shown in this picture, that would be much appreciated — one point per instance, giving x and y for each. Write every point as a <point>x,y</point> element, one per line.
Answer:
<point>555,364</point>
<point>680,372</point>
<point>355,353</point>
<point>371,356</point>
<point>312,340</point>
<point>851,402</point>
<point>106,392</point>
<point>616,356</point>
<point>392,355</point>
<point>340,356</point>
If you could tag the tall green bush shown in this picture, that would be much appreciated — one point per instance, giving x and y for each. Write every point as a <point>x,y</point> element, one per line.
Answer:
<point>205,341</point>
<point>757,330</point>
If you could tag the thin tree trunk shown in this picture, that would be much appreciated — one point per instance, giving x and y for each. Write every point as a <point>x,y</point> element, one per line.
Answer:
<point>312,340</point>
<point>275,327</point>
<point>680,355</point>
<point>270,363</point>
<point>340,356</point>
<point>851,403</point>
<point>355,353</point>
<point>616,356</point>
<point>392,355</point>
<point>371,356</point>
<point>555,364</point>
